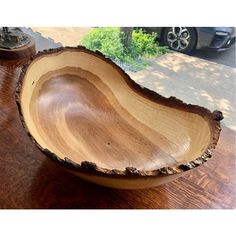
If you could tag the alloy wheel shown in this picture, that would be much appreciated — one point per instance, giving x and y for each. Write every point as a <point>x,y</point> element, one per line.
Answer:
<point>178,38</point>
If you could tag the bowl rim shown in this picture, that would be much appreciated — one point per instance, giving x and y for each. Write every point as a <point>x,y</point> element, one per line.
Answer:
<point>88,167</point>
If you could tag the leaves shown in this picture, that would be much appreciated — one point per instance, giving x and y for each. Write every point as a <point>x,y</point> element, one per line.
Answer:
<point>108,41</point>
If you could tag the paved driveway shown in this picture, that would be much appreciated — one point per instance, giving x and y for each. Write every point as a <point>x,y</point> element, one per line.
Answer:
<point>67,36</point>
<point>193,80</point>
<point>224,57</point>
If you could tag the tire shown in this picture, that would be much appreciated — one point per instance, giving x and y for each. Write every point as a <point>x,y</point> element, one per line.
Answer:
<point>180,39</point>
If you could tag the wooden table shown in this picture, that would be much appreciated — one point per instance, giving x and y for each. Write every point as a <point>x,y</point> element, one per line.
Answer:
<point>30,180</point>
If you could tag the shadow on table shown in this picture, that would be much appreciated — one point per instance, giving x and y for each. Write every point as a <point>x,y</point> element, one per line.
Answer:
<point>55,188</point>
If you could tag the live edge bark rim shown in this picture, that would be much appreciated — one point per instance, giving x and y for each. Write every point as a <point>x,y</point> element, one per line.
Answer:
<point>88,167</point>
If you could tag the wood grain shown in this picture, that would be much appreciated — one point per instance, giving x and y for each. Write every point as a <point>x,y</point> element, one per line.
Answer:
<point>30,180</point>
<point>79,106</point>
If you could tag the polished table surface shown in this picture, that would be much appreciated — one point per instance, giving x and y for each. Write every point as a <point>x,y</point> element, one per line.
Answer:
<point>28,179</point>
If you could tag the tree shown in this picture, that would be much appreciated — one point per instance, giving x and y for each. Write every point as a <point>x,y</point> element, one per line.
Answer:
<point>126,35</point>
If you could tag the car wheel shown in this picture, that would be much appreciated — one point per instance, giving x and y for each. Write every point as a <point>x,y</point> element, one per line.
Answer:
<point>180,39</point>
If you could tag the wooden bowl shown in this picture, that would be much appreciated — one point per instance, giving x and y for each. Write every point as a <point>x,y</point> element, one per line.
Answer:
<point>85,113</point>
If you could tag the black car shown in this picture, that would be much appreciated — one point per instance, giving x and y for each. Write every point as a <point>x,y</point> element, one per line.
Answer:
<point>186,39</point>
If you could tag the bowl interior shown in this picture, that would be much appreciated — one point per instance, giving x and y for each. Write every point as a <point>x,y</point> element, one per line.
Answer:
<point>79,106</point>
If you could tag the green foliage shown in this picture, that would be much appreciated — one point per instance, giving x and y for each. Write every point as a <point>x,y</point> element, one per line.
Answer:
<point>143,44</point>
<point>108,41</point>
<point>105,40</point>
